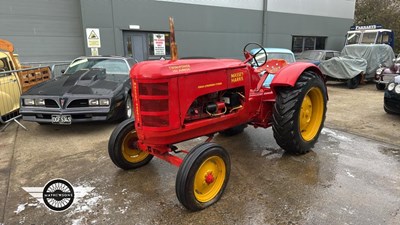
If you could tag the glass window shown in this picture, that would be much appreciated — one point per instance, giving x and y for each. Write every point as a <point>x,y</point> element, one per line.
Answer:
<point>129,52</point>
<point>112,66</point>
<point>320,43</point>
<point>297,45</point>
<point>328,55</point>
<point>369,38</point>
<point>353,38</point>
<point>309,43</point>
<point>304,43</point>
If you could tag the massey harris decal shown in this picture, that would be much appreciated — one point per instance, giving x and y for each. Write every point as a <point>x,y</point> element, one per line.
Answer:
<point>237,77</point>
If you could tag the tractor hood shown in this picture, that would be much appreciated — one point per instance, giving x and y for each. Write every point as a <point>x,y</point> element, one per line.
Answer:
<point>168,68</point>
<point>83,82</point>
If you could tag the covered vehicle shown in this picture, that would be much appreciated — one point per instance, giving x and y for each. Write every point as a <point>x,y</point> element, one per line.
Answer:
<point>316,56</point>
<point>392,97</point>
<point>385,73</point>
<point>357,62</point>
<point>91,89</point>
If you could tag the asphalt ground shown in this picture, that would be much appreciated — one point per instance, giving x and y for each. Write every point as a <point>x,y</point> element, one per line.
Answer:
<point>350,177</point>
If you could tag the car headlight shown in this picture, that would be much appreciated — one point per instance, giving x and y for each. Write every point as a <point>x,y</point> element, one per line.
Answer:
<point>93,102</point>
<point>104,101</point>
<point>29,101</point>
<point>391,86</point>
<point>397,89</point>
<point>39,101</point>
<point>379,71</point>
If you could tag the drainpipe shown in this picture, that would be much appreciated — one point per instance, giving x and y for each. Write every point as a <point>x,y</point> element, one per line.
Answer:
<point>264,23</point>
<point>113,26</point>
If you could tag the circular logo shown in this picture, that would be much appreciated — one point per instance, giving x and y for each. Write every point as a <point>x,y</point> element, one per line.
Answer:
<point>58,195</point>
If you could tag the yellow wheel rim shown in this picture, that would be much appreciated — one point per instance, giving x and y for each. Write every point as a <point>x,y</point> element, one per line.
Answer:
<point>209,179</point>
<point>311,113</point>
<point>130,151</point>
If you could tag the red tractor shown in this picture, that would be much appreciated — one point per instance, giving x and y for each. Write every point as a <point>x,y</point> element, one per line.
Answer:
<point>177,100</point>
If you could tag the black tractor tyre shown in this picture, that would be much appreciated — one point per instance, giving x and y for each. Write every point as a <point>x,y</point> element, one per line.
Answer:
<point>234,130</point>
<point>353,82</point>
<point>288,110</point>
<point>191,188</point>
<point>380,86</point>
<point>122,147</point>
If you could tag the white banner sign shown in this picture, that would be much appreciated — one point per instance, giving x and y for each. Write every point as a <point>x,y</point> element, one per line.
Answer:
<point>159,44</point>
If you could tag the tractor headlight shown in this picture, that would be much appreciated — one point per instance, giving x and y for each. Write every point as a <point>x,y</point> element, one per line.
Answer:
<point>397,89</point>
<point>39,101</point>
<point>29,101</point>
<point>104,101</point>
<point>93,102</point>
<point>391,86</point>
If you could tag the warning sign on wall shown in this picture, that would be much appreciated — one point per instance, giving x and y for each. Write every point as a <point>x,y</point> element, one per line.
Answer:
<point>93,37</point>
<point>159,44</point>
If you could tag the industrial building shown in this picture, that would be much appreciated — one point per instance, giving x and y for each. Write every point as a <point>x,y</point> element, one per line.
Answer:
<point>60,30</point>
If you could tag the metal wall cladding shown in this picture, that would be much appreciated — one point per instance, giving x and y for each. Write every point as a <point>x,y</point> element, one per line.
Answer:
<point>43,30</point>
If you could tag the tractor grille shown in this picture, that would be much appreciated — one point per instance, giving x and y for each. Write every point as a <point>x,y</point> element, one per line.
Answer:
<point>154,104</point>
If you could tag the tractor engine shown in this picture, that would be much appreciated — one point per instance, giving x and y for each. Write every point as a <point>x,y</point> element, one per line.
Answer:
<point>215,104</point>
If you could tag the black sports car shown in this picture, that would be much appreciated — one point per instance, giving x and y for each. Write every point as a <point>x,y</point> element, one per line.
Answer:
<point>91,89</point>
<point>392,96</point>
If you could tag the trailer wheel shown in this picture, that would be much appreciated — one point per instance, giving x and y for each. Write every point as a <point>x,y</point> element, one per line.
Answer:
<point>203,176</point>
<point>299,113</point>
<point>234,130</point>
<point>122,147</point>
<point>354,82</point>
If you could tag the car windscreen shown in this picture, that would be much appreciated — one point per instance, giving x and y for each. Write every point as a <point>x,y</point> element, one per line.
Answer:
<point>287,57</point>
<point>274,55</point>
<point>112,66</point>
<point>311,55</point>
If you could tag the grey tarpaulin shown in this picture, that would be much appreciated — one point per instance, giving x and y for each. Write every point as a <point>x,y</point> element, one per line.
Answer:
<point>358,58</point>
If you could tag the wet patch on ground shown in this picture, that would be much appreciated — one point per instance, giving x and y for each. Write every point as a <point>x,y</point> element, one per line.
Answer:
<point>395,152</point>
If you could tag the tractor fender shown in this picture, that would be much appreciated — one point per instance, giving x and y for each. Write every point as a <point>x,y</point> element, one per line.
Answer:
<point>288,75</point>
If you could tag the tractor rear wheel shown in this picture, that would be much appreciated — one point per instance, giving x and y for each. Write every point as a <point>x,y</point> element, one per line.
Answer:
<point>299,113</point>
<point>122,147</point>
<point>203,176</point>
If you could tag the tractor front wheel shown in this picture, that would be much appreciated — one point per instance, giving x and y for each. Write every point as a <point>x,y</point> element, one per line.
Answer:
<point>122,147</point>
<point>203,176</point>
<point>299,113</point>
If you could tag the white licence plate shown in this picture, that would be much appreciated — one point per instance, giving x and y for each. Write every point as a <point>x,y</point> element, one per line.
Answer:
<point>61,119</point>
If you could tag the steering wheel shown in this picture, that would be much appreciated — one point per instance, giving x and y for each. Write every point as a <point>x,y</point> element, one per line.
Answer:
<point>248,56</point>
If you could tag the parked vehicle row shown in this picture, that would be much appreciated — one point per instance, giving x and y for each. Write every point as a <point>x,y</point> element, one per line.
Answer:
<point>99,88</point>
